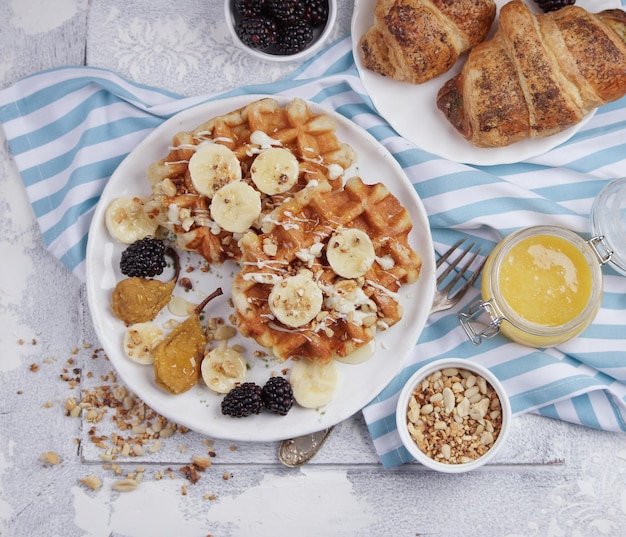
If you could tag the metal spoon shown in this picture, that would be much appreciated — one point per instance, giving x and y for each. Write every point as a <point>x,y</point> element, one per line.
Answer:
<point>297,451</point>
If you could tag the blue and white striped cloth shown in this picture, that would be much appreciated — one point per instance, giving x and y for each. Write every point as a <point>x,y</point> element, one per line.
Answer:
<point>69,128</point>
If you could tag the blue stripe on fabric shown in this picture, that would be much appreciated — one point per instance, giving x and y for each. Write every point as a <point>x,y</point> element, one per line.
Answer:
<point>565,192</point>
<point>75,255</point>
<point>342,65</point>
<point>551,391</point>
<point>77,117</point>
<point>69,218</point>
<point>50,94</point>
<point>353,110</point>
<point>599,159</point>
<point>84,174</point>
<point>584,411</point>
<point>482,209</point>
<point>619,418</point>
<point>613,301</point>
<point>412,157</point>
<point>331,91</point>
<point>395,457</point>
<point>61,126</point>
<point>521,365</point>
<point>89,138</point>
<point>382,426</point>
<point>549,411</point>
<point>382,132</point>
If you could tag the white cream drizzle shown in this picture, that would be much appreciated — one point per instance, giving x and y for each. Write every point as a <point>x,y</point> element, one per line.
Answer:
<point>386,262</point>
<point>389,293</point>
<point>263,277</point>
<point>262,263</point>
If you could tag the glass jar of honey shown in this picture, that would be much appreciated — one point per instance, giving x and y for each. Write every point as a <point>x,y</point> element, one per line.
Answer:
<point>542,285</point>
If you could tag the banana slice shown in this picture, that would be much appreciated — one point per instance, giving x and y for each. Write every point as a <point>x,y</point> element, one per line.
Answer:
<point>350,253</point>
<point>236,206</point>
<point>296,300</point>
<point>360,355</point>
<point>275,170</point>
<point>222,368</point>
<point>127,221</point>
<point>313,384</point>
<point>140,340</point>
<point>212,166</point>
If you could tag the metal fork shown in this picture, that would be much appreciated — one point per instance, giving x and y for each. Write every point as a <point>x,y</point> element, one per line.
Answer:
<point>297,451</point>
<point>447,297</point>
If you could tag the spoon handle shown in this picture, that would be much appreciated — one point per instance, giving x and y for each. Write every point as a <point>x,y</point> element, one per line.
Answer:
<point>296,451</point>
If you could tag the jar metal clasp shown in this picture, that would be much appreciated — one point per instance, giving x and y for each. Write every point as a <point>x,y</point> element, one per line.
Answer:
<point>477,331</point>
<point>601,248</point>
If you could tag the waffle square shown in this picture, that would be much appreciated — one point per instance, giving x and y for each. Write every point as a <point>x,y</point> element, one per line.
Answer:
<point>185,213</point>
<point>293,238</point>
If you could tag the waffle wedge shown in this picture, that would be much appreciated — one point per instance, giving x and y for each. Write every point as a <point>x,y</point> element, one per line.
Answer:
<point>188,207</point>
<point>325,315</point>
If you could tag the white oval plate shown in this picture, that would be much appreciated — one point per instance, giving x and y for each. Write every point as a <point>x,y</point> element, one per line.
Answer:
<point>412,109</point>
<point>199,408</point>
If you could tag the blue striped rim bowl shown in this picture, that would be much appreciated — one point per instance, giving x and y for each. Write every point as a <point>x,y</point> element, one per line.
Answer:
<point>320,36</point>
<point>453,415</point>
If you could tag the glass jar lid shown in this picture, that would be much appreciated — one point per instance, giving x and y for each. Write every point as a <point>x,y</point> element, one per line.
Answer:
<point>608,220</point>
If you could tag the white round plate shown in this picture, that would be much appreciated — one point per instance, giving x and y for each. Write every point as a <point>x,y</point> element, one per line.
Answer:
<point>199,408</point>
<point>412,111</point>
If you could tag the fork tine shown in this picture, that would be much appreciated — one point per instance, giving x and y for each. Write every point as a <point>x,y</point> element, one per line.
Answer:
<point>450,251</point>
<point>454,264</point>
<point>462,270</point>
<point>443,300</point>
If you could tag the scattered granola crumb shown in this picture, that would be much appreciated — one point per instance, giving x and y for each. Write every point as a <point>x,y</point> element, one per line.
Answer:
<point>201,462</point>
<point>50,457</point>
<point>125,484</point>
<point>34,368</point>
<point>91,481</point>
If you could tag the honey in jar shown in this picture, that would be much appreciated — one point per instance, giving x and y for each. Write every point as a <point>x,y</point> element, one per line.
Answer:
<point>542,285</point>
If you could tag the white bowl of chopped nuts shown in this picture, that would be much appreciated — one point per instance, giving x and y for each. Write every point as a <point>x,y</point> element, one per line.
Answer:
<point>453,415</point>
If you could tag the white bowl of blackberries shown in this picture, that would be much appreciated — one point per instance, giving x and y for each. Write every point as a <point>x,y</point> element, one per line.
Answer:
<point>281,30</point>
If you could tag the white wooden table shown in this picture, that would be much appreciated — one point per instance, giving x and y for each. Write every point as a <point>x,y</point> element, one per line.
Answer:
<point>554,479</point>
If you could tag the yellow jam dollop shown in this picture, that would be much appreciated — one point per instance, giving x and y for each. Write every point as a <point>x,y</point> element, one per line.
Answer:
<point>546,280</point>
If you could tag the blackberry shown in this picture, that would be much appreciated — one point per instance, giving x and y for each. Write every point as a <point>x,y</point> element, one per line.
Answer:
<point>144,258</point>
<point>316,12</point>
<point>553,5</point>
<point>250,8</point>
<point>286,12</point>
<point>243,400</point>
<point>277,395</point>
<point>294,37</point>
<point>257,32</point>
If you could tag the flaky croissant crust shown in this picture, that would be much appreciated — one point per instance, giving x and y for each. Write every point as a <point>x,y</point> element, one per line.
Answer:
<point>539,74</point>
<point>417,40</point>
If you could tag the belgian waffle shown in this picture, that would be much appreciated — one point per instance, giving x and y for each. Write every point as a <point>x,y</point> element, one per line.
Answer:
<point>310,137</point>
<point>294,237</point>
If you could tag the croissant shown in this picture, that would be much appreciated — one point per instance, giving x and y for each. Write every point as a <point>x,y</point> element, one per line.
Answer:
<point>417,40</point>
<point>539,75</point>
